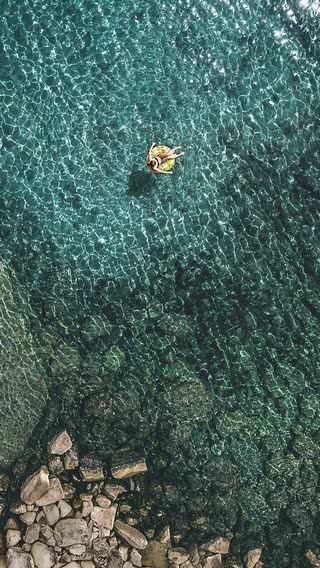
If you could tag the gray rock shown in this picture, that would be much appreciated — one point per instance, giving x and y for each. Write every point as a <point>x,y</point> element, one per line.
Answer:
<point>54,493</point>
<point>104,517</point>
<point>17,558</point>
<point>91,469</point>
<point>132,536</point>
<point>155,555</point>
<point>29,517</point>
<point>78,549</point>
<point>43,557</point>
<point>64,509</point>
<point>178,555</point>
<point>115,560</point>
<point>87,564</point>
<point>35,486</point>
<point>60,444</point>
<point>252,557</point>
<point>32,534</point>
<point>71,531</point>
<point>213,561</point>
<point>103,501</point>
<point>48,535</point>
<point>52,513</point>
<point>218,545</point>
<point>18,507</point>
<point>113,491</point>
<point>13,538</point>
<point>55,465</point>
<point>87,508</point>
<point>23,391</point>
<point>126,464</point>
<point>70,459</point>
<point>72,565</point>
<point>136,558</point>
<point>101,552</point>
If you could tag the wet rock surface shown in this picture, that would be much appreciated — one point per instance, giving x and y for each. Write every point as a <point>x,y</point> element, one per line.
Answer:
<point>97,524</point>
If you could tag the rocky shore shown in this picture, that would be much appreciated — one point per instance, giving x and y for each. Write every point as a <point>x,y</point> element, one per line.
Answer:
<point>70,514</point>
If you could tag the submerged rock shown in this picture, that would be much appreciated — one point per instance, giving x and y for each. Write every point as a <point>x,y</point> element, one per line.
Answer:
<point>252,557</point>
<point>127,464</point>
<point>91,469</point>
<point>132,536</point>
<point>35,486</point>
<point>60,444</point>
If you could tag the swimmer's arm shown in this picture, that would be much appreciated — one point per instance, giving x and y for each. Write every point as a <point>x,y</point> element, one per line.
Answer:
<point>161,171</point>
<point>149,153</point>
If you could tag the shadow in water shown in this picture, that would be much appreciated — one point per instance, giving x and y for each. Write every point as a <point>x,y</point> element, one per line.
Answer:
<point>141,182</point>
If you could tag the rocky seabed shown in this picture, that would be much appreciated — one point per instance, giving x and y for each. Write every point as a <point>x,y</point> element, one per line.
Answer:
<point>55,524</point>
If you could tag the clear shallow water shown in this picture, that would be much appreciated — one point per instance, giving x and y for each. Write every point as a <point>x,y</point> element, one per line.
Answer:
<point>206,282</point>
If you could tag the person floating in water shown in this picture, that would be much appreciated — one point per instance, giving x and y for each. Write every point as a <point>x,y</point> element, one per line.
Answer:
<point>161,159</point>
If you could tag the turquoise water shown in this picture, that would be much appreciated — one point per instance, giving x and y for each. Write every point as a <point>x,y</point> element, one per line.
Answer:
<point>175,314</point>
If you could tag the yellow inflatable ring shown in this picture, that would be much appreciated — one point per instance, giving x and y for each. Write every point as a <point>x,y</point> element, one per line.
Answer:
<point>163,151</point>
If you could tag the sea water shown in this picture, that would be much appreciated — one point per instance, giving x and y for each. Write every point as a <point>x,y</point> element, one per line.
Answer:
<point>191,299</point>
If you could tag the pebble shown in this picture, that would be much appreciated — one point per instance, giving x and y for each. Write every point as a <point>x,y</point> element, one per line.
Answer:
<point>252,557</point>
<point>132,536</point>
<point>178,555</point>
<point>165,536</point>
<point>128,565</point>
<point>136,557</point>
<point>12,523</point>
<point>77,549</point>
<point>35,486</point>
<point>124,552</point>
<point>87,508</point>
<point>26,547</point>
<point>113,491</point>
<point>32,534</point>
<point>86,497</point>
<point>68,490</point>
<point>52,514</point>
<point>104,517</point>
<point>72,565</point>
<point>70,459</point>
<point>91,469</point>
<point>29,517</point>
<point>87,564</point>
<point>48,535</point>
<point>155,555</point>
<point>41,518</point>
<point>60,444</point>
<point>71,531</point>
<point>13,538</point>
<point>55,465</point>
<point>213,561</point>
<point>54,494</point>
<point>17,558</point>
<point>18,507</point>
<point>64,508</point>
<point>43,557</point>
<point>103,501</point>
<point>218,545</point>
